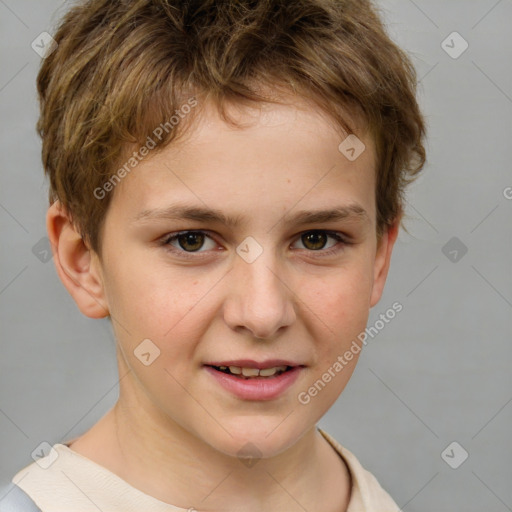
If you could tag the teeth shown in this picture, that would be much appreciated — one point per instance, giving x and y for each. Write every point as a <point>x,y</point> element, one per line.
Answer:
<point>254,372</point>
<point>250,372</point>
<point>267,372</point>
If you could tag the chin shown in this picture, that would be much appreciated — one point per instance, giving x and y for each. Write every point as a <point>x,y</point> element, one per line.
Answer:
<point>256,437</point>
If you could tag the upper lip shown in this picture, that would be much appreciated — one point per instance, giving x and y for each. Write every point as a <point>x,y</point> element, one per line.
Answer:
<point>250,363</point>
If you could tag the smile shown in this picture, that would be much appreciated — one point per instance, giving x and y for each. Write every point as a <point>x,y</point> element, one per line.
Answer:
<point>258,384</point>
<point>251,373</point>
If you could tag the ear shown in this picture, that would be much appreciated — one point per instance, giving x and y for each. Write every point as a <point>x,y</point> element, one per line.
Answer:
<point>383,260</point>
<point>77,265</point>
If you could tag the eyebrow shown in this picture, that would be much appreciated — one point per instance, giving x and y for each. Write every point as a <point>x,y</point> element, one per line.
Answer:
<point>350,212</point>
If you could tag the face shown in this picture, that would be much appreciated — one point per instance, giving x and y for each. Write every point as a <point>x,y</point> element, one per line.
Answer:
<point>256,283</point>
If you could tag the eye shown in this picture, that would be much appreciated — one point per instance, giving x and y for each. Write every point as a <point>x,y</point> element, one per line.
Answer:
<point>188,241</point>
<point>316,240</point>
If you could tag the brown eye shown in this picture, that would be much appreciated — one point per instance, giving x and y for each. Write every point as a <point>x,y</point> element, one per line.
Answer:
<point>192,241</point>
<point>190,244</point>
<point>314,240</point>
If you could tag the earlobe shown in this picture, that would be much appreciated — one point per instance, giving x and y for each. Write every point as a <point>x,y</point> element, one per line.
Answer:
<point>77,265</point>
<point>383,260</point>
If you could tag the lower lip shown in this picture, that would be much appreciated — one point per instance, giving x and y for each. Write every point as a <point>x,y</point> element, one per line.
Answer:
<point>256,388</point>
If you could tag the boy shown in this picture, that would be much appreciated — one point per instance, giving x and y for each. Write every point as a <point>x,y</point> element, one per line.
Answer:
<point>226,184</point>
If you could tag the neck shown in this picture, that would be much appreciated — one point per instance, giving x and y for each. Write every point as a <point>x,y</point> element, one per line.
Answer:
<point>154,454</point>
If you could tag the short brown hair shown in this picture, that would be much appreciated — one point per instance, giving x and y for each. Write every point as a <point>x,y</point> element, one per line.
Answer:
<point>123,67</point>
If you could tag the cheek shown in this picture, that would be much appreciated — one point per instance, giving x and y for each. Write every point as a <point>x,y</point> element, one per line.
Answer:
<point>151,300</point>
<point>338,309</point>
<point>167,308</point>
<point>341,301</point>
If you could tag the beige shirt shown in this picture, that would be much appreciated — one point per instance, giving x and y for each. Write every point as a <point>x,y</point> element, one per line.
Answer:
<point>66,481</point>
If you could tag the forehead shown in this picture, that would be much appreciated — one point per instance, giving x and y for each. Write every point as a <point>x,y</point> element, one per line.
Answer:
<point>275,153</point>
<point>293,117</point>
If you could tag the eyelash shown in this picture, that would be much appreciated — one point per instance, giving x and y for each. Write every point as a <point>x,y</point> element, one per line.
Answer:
<point>197,255</point>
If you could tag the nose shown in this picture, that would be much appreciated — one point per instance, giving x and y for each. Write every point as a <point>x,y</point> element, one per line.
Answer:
<point>259,299</point>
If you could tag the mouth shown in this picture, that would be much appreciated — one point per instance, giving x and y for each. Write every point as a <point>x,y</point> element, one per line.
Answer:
<point>252,380</point>
<point>252,373</point>
<point>251,369</point>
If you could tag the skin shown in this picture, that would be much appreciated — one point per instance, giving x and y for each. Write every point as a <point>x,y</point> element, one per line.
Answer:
<point>174,432</point>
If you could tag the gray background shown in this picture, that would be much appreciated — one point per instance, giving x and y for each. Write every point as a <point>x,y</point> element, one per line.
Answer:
<point>438,373</point>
